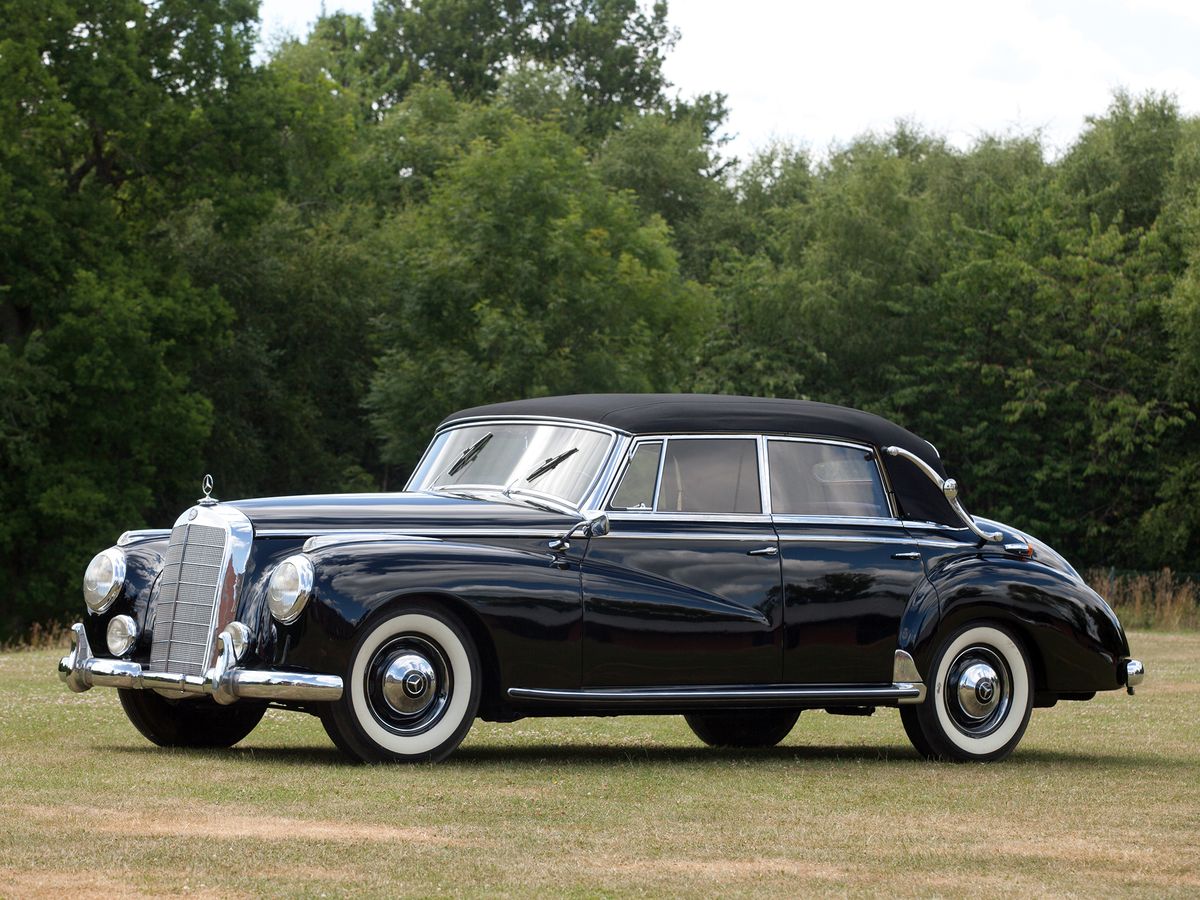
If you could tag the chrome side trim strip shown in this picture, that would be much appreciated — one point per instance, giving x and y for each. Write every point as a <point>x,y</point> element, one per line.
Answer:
<point>322,541</point>
<point>946,545</point>
<point>693,536</point>
<point>143,534</point>
<point>844,539</point>
<point>82,671</point>
<point>385,533</point>
<point>900,693</point>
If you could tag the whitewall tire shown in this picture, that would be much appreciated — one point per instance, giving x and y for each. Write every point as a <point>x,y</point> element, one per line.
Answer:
<point>411,690</point>
<point>980,697</point>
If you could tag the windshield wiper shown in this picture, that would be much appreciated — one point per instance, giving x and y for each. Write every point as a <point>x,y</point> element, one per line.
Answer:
<point>540,501</point>
<point>468,456</point>
<point>550,464</point>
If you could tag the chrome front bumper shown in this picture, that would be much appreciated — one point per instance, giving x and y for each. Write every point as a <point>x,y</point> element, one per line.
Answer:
<point>224,682</point>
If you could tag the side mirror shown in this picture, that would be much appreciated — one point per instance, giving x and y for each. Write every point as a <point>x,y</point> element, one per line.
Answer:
<point>597,526</point>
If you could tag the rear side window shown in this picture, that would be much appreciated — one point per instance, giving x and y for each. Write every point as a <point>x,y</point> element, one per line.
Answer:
<point>810,479</point>
<point>710,476</point>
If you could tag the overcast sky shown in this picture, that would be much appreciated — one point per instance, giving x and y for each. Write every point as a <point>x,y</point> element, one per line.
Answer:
<point>819,73</point>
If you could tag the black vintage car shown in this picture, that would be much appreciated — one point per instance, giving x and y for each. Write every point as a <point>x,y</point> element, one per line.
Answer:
<point>730,559</point>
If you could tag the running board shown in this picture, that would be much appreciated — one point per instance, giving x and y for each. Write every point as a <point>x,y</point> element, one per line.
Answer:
<point>906,688</point>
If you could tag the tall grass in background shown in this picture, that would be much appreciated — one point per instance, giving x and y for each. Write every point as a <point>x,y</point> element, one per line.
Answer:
<point>1160,600</point>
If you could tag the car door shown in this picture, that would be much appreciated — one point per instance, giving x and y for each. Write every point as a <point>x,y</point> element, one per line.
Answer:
<point>685,589</point>
<point>849,565</point>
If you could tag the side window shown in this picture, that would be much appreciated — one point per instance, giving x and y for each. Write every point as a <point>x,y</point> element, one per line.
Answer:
<point>710,476</point>
<point>636,490</point>
<point>810,479</point>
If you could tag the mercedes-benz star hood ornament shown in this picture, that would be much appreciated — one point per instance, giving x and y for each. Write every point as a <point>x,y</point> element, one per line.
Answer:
<point>207,485</point>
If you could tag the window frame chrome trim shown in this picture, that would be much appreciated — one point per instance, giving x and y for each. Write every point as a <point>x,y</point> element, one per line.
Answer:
<point>764,475</point>
<point>623,470</point>
<point>637,440</point>
<point>875,452</point>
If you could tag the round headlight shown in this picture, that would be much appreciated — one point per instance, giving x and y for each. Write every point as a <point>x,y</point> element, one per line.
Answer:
<point>122,634</point>
<point>104,578</point>
<point>290,586</point>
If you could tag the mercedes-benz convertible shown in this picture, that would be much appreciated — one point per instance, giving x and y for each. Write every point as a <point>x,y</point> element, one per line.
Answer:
<point>732,560</point>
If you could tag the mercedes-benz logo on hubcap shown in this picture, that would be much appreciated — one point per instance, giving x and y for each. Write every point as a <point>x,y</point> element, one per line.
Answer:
<point>985,690</point>
<point>414,684</point>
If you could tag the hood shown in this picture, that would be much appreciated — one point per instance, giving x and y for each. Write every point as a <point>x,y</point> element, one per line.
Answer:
<point>403,511</point>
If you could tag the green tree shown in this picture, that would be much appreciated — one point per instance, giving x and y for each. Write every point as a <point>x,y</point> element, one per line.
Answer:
<point>525,275</point>
<point>610,52</point>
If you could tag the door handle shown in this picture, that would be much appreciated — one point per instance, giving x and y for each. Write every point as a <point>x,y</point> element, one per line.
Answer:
<point>763,551</point>
<point>908,554</point>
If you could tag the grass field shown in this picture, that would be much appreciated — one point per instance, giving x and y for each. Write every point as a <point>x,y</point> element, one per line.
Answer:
<point>1100,798</point>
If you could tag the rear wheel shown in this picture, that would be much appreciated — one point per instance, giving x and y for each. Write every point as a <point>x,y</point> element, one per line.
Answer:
<point>981,696</point>
<point>743,728</point>
<point>190,723</point>
<point>411,692</point>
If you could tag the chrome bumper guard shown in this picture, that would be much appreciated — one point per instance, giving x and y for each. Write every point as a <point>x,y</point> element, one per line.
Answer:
<point>1135,672</point>
<point>223,682</point>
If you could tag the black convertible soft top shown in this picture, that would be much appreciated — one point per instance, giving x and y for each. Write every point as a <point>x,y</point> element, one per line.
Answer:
<point>918,497</point>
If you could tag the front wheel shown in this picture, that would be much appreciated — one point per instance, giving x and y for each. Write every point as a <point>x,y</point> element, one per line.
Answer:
<point>981,695</point>
<point>411,692</point>
<point>189,723</point>
<point>757,728</point>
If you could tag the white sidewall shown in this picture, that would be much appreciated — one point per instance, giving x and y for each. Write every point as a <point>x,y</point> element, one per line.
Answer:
<point>1007,648</point>
<point>462,684</point>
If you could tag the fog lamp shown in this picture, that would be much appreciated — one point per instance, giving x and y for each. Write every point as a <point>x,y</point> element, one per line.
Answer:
<point>122,635</point>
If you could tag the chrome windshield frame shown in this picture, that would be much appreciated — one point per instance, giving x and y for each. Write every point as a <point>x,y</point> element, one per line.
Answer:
<point>618,445</point>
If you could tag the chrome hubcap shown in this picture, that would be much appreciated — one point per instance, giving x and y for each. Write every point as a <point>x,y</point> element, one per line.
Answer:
<point>978,691</point>
<point>409,683</point>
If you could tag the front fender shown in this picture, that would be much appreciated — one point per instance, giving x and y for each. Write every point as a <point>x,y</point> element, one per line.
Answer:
<point>526,603</point>
<point>1075,641</point>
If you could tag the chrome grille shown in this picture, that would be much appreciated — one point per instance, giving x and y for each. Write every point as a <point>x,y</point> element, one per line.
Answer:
<point>187,594</point>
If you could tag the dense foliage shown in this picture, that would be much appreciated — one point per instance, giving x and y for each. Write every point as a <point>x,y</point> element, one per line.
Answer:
<point>285,271</point>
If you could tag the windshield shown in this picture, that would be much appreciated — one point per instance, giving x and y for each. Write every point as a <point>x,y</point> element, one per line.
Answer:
<point>518,457</point>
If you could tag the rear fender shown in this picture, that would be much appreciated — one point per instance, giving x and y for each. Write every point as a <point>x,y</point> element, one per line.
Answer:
<point>1073,637</point>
